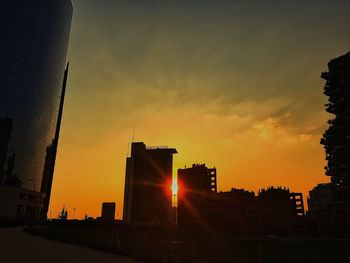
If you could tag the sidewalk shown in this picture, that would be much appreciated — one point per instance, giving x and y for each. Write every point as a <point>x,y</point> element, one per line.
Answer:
<point>19,247</point>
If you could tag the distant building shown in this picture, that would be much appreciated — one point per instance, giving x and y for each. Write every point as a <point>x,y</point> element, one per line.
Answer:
<point>321,202</point>
<point>197,188</point>
<point>281,212</point>
<point>237,212</point>
<point>34,43</point>
<point>329,210</point>
<point>275,211</point>
<point>329,204</point>
<point>198,178</point>
<point>148,178</point>
<point>108,211</point>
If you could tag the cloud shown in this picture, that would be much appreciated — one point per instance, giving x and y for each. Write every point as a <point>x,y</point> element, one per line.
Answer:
<point>234,84</point>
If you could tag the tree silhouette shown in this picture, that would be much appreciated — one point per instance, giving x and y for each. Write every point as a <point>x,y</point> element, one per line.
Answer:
<point>63,214</point>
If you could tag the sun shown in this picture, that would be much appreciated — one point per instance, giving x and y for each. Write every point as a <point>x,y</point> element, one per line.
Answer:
<point>174,191</point>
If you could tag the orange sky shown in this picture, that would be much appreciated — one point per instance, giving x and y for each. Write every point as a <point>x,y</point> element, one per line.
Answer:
<point>234,85</point>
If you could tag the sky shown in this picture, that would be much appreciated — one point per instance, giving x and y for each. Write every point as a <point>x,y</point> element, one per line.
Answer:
<point>232,84</point>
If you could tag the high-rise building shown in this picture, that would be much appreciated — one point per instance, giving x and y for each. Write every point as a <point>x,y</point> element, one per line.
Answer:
<point>33,46</point>
<point>329,204</point>
<point>148,179</point>
<point>335,139</point>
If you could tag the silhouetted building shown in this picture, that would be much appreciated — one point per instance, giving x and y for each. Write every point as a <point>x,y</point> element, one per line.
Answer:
<point>51,152</point>
<point>298,203</point>
<point>5,134</point>
<point>108,211</point>
<point>148,178</point>
<point>237,212</point>
<point>329,204</point>
<point>198,178</point>
<point>197,188</point>
<point>321,202</point>
<point>329,210</point>
<point>274,211</point>
<point>35,35</point>
<point>281,212</point>
<point>335,139</point>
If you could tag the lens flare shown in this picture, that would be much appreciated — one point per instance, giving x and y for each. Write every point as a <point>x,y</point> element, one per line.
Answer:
<point>174,191</point>
<point>174,187</point>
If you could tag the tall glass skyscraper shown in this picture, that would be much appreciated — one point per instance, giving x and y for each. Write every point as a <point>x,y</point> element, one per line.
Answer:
<point>33,46</point>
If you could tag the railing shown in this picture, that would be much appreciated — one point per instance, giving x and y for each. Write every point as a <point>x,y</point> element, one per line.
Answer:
<point>156,147</point>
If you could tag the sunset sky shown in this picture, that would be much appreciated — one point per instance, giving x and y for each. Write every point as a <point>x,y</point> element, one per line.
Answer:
<point>232,84</point>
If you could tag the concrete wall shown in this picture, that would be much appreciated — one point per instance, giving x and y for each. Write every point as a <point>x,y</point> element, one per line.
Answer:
<point>8,197</point>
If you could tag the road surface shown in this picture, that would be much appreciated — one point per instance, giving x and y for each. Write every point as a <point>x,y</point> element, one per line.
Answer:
<point>19,247</point>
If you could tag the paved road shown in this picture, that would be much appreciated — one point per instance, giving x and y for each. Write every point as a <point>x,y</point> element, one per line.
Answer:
<point>19,247</point>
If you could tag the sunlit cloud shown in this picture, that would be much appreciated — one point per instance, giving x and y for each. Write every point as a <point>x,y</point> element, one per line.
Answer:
<point>233,84</point>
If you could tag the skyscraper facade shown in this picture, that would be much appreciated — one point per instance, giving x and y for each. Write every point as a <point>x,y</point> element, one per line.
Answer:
<point>148,178</point>
<point>35,35</point>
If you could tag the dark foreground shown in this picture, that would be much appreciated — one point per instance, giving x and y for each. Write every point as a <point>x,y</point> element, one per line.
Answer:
<point>153,244</point>
<point>19,247</point>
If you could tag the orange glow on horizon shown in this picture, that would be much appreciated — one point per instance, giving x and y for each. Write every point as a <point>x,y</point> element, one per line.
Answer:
<point>258,129</point>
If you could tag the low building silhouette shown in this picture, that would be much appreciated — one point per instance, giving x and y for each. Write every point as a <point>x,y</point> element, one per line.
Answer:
<point>198,178</point>
<point>197,193</point>
<point>148,178</point>
<point>321,205</point>
<point>108,211</point>
<point>237,212</point>
<point>275,211</point>
<point>281,212</point>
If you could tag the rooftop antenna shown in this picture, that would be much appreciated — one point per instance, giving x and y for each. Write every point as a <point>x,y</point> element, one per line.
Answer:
<point>133,133</point>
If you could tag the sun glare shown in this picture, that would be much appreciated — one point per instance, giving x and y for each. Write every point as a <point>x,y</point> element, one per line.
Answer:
<point>174,191</point>
<point>174,187</point>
